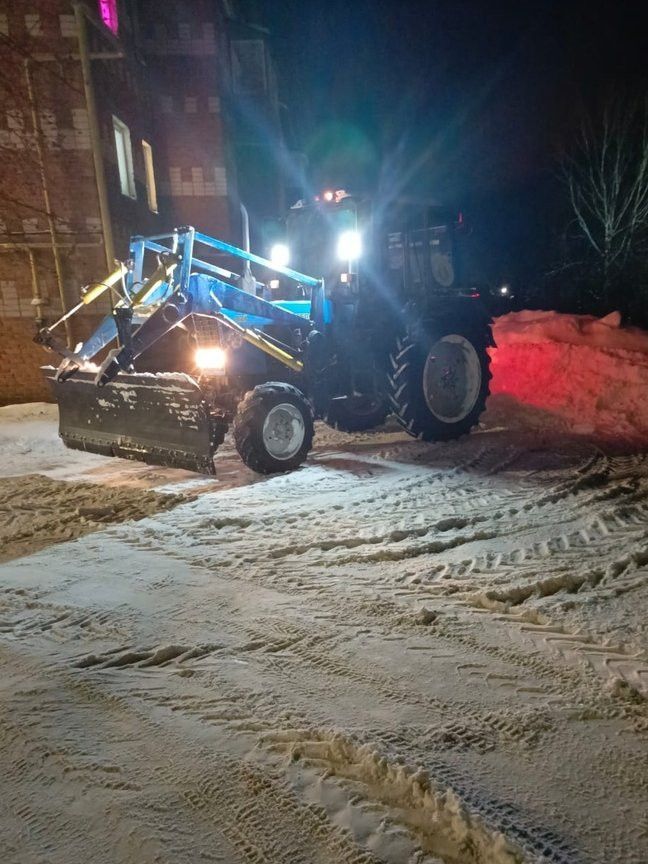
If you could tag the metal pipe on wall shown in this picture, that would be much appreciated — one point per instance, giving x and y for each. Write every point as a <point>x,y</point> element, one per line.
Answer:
<point>29,248</point>
<point>38,140</point>
<point>37,300</point>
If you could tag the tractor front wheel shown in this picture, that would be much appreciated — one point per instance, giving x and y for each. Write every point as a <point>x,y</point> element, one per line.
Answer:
<point>439,384</point>
<point>273,428</point>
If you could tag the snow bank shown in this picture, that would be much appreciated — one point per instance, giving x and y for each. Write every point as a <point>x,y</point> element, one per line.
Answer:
<point>29,442</point>
<point>28,411</point>
<point>539,327</point>
<point>590,372</point>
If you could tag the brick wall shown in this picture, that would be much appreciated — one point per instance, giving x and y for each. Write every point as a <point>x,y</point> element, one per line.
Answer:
<point>20,362</point>
<point>21,359</point>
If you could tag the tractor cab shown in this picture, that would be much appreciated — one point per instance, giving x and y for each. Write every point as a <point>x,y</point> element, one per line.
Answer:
<point>401,250</point>
<point>328,235</point>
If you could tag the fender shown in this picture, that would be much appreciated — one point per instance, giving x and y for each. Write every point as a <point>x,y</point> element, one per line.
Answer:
<point>469,309</point>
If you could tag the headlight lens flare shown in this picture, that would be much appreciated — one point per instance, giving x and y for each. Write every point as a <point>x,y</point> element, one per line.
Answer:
<point>349,246</point>
<point>212,359</point>
<point>280,255</point>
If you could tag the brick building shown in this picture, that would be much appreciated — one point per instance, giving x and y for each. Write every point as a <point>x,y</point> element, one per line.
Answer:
<point>120,117</point>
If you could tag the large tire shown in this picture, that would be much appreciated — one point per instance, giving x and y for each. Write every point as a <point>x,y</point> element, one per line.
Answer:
<point>439,383</point>
<point>273,428</point>
<point>356,413</point>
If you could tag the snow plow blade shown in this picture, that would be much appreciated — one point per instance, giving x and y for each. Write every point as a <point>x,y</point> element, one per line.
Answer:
<point>160,419</point>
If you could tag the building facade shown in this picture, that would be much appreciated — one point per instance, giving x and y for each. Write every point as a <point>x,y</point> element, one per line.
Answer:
<point>119,117</point>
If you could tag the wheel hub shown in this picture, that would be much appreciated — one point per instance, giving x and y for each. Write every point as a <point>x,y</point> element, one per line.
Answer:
<point>452,378</point>
<point>283,431</point>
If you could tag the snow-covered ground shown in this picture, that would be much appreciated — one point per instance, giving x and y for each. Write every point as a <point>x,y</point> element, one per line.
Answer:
<point>403,652</point>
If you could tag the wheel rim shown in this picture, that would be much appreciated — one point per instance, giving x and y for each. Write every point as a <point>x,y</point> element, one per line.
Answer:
<point>283,431</point>
<point>452,378</point>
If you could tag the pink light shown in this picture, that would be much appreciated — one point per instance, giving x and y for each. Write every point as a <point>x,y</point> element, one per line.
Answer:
<point>108,12</point>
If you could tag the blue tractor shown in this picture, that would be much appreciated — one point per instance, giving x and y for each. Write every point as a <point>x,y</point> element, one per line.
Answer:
<point>381,325</point>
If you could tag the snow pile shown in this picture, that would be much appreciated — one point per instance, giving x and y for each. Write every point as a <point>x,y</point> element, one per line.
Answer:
<point>27,411</point>
<point>29,441</point>
<point>606,333</point>
<point>590,372</point>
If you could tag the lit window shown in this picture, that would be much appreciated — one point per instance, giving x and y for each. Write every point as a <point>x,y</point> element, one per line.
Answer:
<point>108,12</point>
<point>151,192</point>
<point>124,158</point>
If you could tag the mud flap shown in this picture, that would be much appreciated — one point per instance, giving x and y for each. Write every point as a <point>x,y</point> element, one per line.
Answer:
<point>160,419</point>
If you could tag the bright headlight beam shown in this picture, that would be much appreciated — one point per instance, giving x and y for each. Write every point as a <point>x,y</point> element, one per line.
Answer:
<point>211,358</point>
<point>349,246</point>
<point>280,255</point>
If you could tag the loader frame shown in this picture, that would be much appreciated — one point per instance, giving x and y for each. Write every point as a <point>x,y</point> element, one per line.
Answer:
<point>181,285</point>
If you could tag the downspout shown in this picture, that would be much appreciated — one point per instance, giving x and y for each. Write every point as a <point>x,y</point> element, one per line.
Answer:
<point>95,135</point>
<point>37,300</point>
<point>46,199</point>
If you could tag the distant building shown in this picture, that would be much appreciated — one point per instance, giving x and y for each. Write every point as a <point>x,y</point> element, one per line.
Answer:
<point>176,122</point>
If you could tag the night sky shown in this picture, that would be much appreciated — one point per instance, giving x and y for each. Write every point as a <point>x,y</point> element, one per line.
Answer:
<point>453,98</point>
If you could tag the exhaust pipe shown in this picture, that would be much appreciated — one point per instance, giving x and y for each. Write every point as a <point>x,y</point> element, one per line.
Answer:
<point>248,282</point>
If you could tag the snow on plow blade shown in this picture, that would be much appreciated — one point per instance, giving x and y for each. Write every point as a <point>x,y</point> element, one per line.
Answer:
<point>160,419</point>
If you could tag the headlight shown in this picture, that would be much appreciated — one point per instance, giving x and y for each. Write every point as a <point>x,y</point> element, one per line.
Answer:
<point>349,246</point>
<point>213,359</point>
<point>280,255</point>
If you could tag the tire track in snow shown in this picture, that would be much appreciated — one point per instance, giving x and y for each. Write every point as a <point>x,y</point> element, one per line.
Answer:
<point>287,685</point>
<point>606,527</point>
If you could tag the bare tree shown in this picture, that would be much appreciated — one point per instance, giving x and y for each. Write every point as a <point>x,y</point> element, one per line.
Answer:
<point>606,175</point>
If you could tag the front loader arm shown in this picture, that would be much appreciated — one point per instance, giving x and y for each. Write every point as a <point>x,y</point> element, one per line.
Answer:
<point>151,291</point>
<point>167,316</point>
<point>206,296</point>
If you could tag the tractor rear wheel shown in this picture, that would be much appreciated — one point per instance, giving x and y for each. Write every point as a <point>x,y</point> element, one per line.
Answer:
<point>273,428</point>
<point>356,413</point>
<point>439,383</point>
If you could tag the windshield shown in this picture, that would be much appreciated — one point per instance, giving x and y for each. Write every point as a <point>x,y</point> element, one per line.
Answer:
<point>313,234</point>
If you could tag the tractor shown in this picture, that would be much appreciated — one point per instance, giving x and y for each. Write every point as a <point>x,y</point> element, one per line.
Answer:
<point>359,313</point>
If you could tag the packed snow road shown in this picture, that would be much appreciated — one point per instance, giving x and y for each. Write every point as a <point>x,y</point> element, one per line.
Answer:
<point>400,653</point>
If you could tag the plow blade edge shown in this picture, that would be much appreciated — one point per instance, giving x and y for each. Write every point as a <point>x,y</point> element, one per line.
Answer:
<point>159,419</point>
